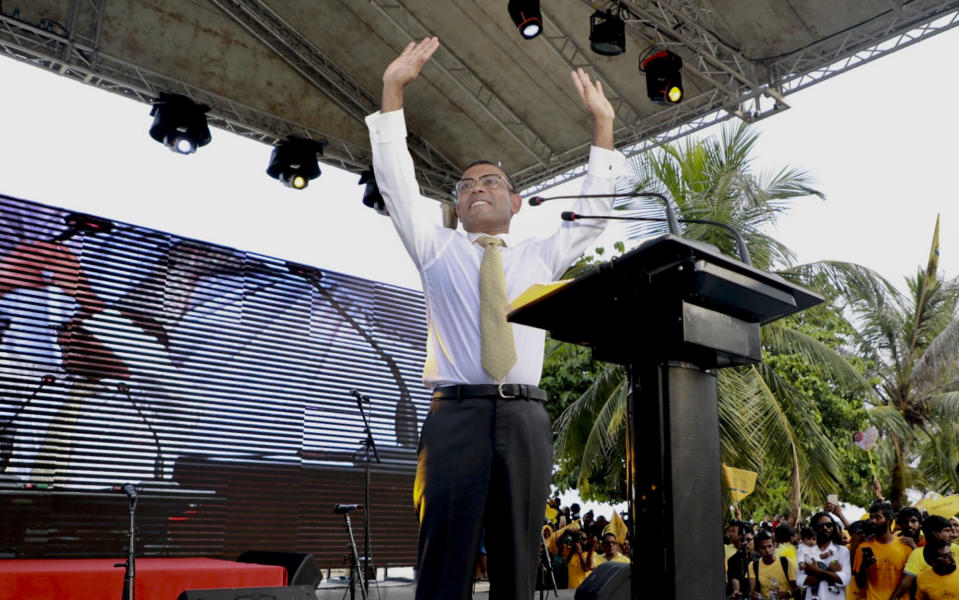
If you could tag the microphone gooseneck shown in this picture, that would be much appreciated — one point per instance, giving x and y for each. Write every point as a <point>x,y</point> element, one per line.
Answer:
<point>740,242</point>
<point>671,221</point>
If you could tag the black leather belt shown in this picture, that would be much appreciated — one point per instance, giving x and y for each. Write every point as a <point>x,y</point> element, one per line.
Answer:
<point>503,391</point>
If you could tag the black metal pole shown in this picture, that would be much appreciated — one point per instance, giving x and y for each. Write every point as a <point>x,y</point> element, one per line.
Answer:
<point>130,569</point>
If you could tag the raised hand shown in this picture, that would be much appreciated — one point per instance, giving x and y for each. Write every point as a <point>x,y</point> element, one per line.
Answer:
<point>598,106</point>
<point>404,69</point>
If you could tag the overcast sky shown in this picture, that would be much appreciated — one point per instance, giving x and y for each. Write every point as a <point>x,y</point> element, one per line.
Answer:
<point>878,140</point>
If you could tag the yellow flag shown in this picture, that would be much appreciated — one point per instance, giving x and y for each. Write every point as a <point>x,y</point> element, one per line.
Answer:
<point>617,527</point>
<point>933,253</point>
<point>741,482</point>
<point>946,506</point>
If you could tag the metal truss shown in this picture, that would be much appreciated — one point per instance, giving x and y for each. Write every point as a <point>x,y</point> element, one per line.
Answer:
<point>751,89</point>
<point>732,84</point>
<point>310,62</point>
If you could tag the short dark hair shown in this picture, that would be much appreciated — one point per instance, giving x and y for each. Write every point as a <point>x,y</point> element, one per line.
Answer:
<point>856,527</point>
<point>882,507</point>
<point>762,536</point>
<point>806,533</point>
<point>509,179</point>
<point>931,551</point>
<point>933,525</point>
<point>784,533</point>
<point>908,512</point>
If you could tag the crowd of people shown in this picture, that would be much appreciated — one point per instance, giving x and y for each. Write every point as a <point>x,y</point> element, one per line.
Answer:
<point>887,555</point>
<point>574,545</point>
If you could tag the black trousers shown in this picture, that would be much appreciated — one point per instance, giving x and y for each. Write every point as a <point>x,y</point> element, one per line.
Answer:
<point>481,463</point>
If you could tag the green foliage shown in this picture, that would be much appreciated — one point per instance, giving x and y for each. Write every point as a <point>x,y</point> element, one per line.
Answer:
<point>791,417</point>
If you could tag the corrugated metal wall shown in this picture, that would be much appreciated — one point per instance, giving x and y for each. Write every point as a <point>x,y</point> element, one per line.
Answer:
<point>217,380</point>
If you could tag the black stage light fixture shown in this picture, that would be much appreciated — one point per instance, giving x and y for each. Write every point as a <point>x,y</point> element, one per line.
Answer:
<point>179,123</point>
<point>294,161</point>
<point>371,194</point>
<point>664,84</point>
<point>527,17</point>
<point>607,33</point>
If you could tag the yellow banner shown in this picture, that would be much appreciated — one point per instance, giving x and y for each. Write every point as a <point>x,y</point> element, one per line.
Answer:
<point>741,482</point>
<point>933,253</point>
<point>946,506</point>
<point>618,527</point>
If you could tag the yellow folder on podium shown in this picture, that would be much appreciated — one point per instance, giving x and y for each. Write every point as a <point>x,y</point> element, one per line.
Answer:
<point>535,292</point>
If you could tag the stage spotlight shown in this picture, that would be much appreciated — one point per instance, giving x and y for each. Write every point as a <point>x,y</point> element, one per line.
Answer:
<point>179,123</point>
<point>527,17</point>
<point>664,84</point>
<point>607,33</point>
<point>371,194</point>
<point>294,161</point>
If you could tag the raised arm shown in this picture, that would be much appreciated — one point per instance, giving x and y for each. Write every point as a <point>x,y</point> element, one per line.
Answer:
<point>598,106</point>
<point>605,164</point>
<point>404,69</point>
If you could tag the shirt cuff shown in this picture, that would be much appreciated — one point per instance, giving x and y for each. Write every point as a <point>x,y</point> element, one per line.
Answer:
<point>608,164</point>
<point>386,127</point>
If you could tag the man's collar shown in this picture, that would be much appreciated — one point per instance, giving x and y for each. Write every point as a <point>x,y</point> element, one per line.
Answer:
<point>507,240</point>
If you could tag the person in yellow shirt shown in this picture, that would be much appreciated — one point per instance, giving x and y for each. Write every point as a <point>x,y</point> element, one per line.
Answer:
<point>879,562</point>
<point>773,577</point>
<point>582,560</point>
<point>611,551</point>
<point>934,527</point>
<point>857,535</point>
<point>940,581</point>
<point>784,545</point>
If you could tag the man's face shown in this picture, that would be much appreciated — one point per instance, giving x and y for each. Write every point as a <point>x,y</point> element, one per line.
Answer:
<point>732,532</point>
<point>944,562</point>
<point>824,528</point>
<point>955,528</point>
<point>910,526</point>
<point>766,550</point>
<point>749,542</point>
<point>488,205</point>
<point>610,546</point>
<point>879,523</point>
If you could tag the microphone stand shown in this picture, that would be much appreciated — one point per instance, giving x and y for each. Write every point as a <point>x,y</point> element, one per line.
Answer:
<point>743,252</point>
<point>670,219</point>
<point>370,445</point>
<point>44,381</point>
<point>130,570</point>
<point>158,462</point>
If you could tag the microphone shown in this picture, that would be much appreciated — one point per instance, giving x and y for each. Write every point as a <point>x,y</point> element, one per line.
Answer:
<point>743,252</point>
<point>670,214</point>
<point>45,380</point>
<point>342,509</point>
<point>128,489</point>
<point>158,461</point>
<point>356,394</point>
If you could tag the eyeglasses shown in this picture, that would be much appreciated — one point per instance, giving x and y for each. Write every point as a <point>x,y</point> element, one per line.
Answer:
<point>489,181</point>
<point>825,524</point>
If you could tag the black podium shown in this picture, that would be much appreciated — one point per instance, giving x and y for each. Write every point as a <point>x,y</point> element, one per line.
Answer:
<point>672,310</point>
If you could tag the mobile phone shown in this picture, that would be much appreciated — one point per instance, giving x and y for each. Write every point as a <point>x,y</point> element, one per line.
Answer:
<point>833,499</point>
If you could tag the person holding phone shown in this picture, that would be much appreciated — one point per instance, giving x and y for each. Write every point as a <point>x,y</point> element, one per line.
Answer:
<point>879,562</point>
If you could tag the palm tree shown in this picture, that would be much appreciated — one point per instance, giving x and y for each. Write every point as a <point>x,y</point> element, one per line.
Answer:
<point>912,342</point>
<point>763,418</point>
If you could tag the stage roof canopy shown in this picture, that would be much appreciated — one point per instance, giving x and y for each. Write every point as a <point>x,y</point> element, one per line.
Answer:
<point>270,68</point>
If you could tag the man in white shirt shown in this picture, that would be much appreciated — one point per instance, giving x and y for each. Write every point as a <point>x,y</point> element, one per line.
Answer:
<point>485,453</point>
<point>827,572</point>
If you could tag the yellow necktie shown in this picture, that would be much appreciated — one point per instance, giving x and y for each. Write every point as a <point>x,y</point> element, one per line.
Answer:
<point>498,351</point>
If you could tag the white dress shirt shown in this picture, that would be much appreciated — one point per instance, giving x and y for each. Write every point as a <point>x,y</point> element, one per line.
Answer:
<point>448,261</point>
<point>829,590</point>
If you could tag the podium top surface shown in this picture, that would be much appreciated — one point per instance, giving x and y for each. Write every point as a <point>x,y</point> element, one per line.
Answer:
<point>634,293</point>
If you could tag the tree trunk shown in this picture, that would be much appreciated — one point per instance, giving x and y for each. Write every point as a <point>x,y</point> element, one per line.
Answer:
<point>796,492</point>
<point>897,491</point>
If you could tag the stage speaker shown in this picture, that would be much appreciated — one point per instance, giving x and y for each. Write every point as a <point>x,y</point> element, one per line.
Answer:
<point>296,592</point>
<point>608,581</point>
<point>300,568</point>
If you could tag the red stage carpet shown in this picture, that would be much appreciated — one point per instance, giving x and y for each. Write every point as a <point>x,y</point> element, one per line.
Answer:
<point>98,579</point>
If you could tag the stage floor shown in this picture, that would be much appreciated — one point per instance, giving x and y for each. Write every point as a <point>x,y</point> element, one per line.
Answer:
<point>396,590</point>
